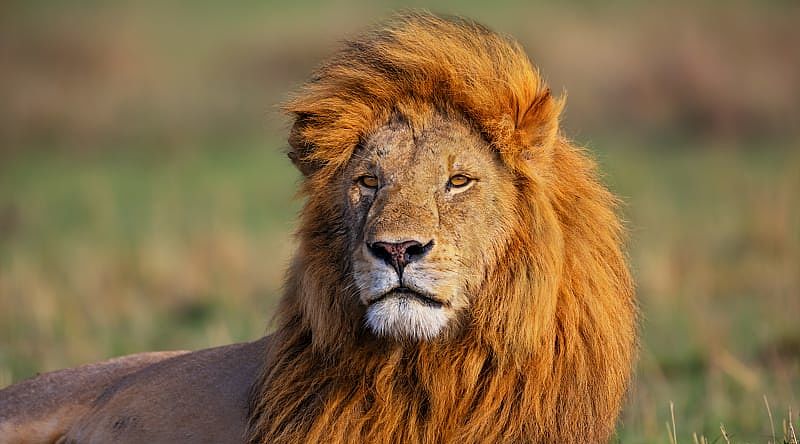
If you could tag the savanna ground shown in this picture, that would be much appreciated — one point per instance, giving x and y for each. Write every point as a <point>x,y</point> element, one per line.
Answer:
<point>145,202</point>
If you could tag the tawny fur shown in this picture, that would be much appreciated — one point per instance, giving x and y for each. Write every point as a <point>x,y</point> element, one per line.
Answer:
<point>548,342</point>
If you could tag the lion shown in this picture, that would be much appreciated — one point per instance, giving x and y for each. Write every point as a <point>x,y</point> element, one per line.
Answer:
<point>459,275</point>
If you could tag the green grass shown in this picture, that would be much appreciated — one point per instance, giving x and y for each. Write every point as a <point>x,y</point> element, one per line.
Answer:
<point>715,243</point>
<point>104,255</point>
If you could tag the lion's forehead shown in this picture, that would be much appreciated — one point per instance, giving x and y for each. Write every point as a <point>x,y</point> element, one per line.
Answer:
<point>402,149</point>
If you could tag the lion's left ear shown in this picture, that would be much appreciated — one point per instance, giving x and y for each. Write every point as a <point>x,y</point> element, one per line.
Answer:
<point>537,126</point>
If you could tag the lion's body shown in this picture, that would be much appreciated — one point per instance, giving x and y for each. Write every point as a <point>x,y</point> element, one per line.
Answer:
<point>200,397</point>
<point>459,276</point>
<point>44,408</point>
<point>163,397</point>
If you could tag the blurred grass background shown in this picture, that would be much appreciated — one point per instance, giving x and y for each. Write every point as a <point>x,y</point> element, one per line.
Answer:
<point>145,202</point>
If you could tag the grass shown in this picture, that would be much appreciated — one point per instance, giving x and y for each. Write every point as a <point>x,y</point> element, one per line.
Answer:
<point>174,249</point>
<point>714,246</point>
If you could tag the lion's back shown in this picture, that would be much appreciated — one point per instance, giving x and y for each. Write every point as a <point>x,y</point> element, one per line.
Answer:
<point>42,408</point>
<point>198,397</point>
<point>149,397</point>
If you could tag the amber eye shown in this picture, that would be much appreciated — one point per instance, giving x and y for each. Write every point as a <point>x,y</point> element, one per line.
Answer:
<point>459,181</point>
<point>368,181</point>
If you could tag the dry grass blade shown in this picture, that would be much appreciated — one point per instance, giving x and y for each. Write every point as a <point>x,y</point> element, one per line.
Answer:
<point>724,433</point>
<point>673,432</point>
<point>791,433</point>
<point>771,423</point>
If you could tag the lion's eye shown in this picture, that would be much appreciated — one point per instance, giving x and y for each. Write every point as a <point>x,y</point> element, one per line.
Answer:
<point>459,181</point>
<point>368,181</point>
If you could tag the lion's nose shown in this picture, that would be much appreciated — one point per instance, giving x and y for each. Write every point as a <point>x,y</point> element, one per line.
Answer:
<point>398,255</point>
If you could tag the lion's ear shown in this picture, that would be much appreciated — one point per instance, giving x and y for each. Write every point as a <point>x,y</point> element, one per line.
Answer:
<point>537,126</point>
<point>306,167</point>
<point>300,151</point>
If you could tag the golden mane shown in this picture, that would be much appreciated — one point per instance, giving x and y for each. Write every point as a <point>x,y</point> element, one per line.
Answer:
<point>547,353</point>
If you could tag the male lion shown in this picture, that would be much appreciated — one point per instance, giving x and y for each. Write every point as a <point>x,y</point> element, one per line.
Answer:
<point>459,277</point>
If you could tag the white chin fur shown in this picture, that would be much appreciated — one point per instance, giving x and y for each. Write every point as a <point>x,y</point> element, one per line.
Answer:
<point>404,318</point>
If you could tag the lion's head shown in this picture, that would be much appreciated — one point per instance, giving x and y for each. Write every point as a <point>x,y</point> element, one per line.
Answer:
<point>459,267</point>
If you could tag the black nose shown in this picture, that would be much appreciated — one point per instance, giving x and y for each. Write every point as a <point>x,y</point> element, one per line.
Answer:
<point>398,255</point>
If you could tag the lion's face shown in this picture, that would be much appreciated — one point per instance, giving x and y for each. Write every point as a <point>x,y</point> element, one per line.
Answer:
<point>427,210</point>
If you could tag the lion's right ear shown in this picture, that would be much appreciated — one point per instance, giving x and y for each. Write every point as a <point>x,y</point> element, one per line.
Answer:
<point>300,151</point>
<point>307,167</point>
